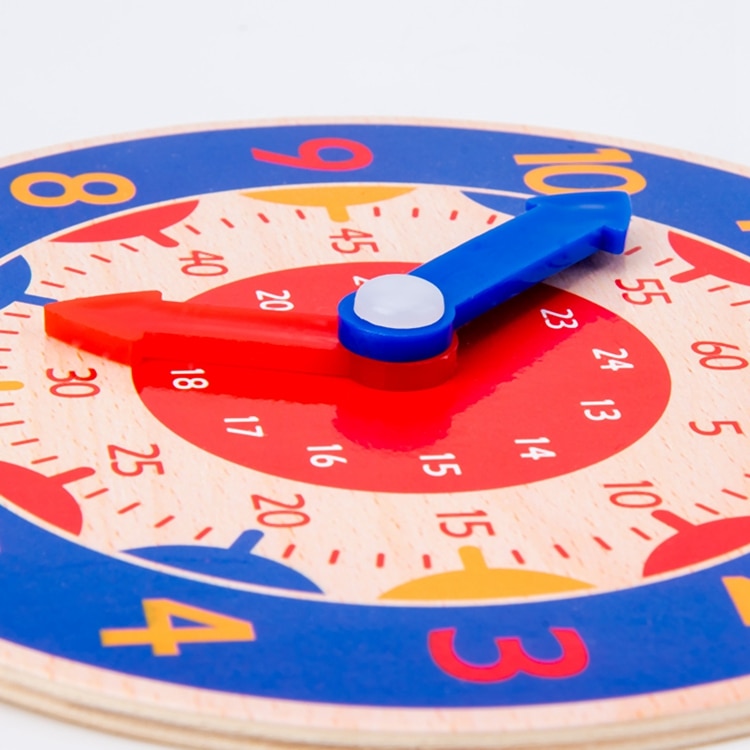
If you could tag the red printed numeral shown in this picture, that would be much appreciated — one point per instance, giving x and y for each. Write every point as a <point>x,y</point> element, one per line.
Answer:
<point>461,527</point>
<point>73,385</point>
<point>138,467</point>
<point>717,427</point>
<point>512,660</point>
<point>645,295</point>
<point>309,155</point>
<point>353,241</point>
<point>287,518</point>
<point>718,357</point>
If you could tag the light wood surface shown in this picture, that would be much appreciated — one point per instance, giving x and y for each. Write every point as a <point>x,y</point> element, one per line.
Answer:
<point>690,98</point>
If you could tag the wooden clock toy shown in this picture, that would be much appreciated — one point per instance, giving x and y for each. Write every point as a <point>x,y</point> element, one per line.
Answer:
<point>386,435</point>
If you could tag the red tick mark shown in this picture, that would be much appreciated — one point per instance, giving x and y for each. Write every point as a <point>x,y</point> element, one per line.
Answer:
<point>641,534</point>
<point>736,494</point>
<point>96,493</point>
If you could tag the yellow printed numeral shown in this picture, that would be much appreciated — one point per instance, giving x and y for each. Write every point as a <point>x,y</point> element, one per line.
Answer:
<point>738,588</point>
<point>74,189</point>
<point>602,161</point>
<point>744,225</point>
<point>165,639</point>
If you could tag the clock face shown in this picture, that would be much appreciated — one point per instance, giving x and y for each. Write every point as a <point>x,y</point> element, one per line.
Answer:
<point>260,553</point>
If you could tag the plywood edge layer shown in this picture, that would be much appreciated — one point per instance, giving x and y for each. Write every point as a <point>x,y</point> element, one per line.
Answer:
<point>172,728</point>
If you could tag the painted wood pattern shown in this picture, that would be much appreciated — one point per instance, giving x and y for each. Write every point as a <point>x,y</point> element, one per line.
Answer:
<point>548,549</point>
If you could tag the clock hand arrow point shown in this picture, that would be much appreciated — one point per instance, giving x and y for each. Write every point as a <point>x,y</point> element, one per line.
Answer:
<point>555,232</point>
<point>107,325</point>
<point>123,327</point>
<point>134,326</point>
<point>607,213</point>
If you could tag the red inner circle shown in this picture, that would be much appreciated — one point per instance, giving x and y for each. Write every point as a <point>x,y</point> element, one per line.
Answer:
<point>535,396</point>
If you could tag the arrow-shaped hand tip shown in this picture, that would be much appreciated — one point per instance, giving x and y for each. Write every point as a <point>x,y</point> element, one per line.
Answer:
<point>608,210</point>
<point>105,325</point>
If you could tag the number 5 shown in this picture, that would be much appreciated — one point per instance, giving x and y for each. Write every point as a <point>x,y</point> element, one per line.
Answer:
<point>717,428</point>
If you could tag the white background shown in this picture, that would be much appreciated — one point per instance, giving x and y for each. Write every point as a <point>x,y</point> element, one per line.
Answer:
<point>672,73</point>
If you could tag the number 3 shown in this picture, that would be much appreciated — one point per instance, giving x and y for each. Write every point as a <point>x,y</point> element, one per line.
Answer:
<point>512,660</point>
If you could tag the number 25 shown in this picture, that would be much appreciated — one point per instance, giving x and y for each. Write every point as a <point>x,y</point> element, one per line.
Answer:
<point>140,466</point>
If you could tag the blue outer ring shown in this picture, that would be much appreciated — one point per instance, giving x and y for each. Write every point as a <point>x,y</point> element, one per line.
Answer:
<point>56,595</point>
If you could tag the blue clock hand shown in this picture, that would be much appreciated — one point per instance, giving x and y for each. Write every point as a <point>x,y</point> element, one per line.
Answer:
<point>413,316</point>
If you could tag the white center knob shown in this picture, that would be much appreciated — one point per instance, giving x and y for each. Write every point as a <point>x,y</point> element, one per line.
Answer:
<point>399,301</point>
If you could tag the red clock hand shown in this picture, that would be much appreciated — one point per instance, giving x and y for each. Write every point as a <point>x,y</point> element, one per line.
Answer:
<point>141,325</point>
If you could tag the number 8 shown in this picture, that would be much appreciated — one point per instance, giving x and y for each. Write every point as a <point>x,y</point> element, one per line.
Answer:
<point>74,189</point>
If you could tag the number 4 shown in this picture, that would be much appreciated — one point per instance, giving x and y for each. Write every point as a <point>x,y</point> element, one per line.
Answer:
<point>165,639</point>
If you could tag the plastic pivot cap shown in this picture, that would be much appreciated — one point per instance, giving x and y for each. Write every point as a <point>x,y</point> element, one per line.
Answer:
<point>399,301</point>
<point>555,232</point>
